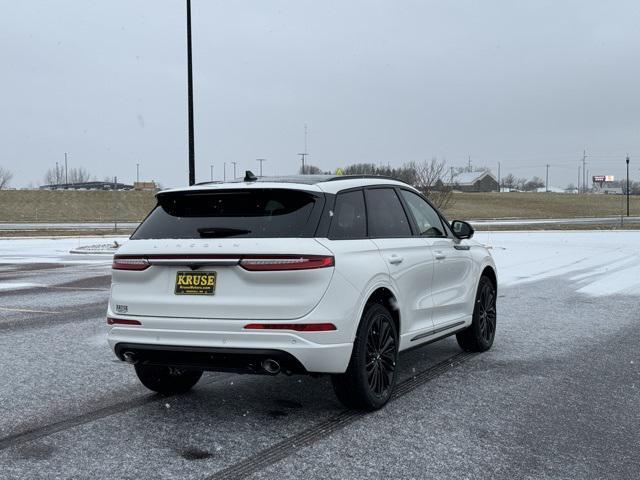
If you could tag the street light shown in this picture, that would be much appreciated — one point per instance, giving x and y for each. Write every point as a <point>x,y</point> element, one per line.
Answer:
<point>192,158</point>
<point>627,185</point>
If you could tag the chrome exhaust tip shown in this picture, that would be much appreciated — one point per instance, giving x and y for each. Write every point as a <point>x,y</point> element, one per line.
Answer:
<point>130,357</point>
<point>271,366</point>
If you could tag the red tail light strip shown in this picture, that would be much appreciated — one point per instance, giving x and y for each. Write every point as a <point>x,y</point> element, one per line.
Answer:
<point>125,263</point>
<point>122,321</point>
<point>297,327</point>
<point>253,263</point>
<point>270,263</point>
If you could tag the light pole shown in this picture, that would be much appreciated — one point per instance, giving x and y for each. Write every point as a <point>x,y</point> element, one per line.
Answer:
<point>192,158</point>
<point>212,172</point>
<point>627,185</point>
<point>224,172</point>
<point>137,173</point>
<point>261,160</point>
<point>234,170</point>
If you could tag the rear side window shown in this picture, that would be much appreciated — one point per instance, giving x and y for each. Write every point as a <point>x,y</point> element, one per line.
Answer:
<point>349,218</point>
<point>385,214</point>
<point>266,213</point>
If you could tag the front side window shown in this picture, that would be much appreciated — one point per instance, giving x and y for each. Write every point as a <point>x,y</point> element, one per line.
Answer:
<point>349,221</point>
<point>386,215</point>
<point>428,220</point>
<point>262,213</point>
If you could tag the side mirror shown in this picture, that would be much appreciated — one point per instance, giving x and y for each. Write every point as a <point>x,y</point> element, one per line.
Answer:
<point>462,229</point>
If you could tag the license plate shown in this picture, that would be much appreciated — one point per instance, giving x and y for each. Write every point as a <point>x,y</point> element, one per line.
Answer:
<point>195,283</point>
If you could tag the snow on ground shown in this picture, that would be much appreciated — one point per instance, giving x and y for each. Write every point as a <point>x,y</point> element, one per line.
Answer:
<point>598,263</point>
<point>53,249</point>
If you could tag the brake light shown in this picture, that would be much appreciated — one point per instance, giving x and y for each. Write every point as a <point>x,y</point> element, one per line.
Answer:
<point>270,263</point>
<point>122,321</point>
<point>130,263</point>
<point>297,327</point>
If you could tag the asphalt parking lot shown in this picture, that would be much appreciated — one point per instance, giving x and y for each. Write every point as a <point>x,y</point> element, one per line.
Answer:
<point>557,397</point>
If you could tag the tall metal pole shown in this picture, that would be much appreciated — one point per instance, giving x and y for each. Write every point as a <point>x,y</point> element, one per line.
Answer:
<point>627,185</point>
<point>261,160</point>
<point>579,176</point>
<point>66,170</point>
<point>546,185</point>
<point>584,171</point>
<point>499,189</point>
<point>212,172</point>
<point>137,173</point>
<point>192,158</point>
<point>234,170</point>
<point>224,172</point>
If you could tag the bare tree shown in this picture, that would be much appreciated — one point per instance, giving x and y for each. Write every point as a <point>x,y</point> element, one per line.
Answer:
<point>429,178</point>
<point>5,177</point>
<point>310,170</point>
<point>510,181</point>
<point>56,175</point>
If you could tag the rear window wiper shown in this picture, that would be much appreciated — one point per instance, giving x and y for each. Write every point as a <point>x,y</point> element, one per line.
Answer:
<point>221,232</point>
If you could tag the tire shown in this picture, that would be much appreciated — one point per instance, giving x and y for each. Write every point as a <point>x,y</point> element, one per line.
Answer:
<point>480,334</point>
<point>167,380</point>
<point>371,375</point>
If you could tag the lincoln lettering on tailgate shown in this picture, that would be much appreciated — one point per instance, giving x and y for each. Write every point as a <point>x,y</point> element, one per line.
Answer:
<point>195,283</point>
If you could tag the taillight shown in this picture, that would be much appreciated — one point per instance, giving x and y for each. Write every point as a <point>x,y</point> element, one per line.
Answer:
<point>122,321</point>
<point>270,263</point>
<point>130,263</point>
<point>297,327</point>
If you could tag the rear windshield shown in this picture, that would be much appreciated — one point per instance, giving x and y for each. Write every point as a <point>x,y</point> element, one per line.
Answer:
<point>233,213</point>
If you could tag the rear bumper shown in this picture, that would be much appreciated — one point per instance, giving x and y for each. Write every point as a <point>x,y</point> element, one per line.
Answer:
<point>230,351</point>
<point>237,360</point>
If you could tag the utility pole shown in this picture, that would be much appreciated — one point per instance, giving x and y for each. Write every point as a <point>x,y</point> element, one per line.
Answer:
<point>587,186</point>
<point>192,158</point>
<point>452,176</point>
<point>212,172</point>
<point>115,209</point>
<point>302,155</point>
<point>66,170</point>
<point>579,177</point>
<point>224,172</point>
<point>499,187</point>
<point>546,187</point>
<point>627,185</point>
<point>57,174</point>
<point>261,160</point>
<point>584,171</point>
<point>234,170</point>
<point>137,173</point>
<point>469,167</point>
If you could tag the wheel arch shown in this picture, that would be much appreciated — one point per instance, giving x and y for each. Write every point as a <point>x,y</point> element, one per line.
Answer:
<point>385,297</point>
<point>490,273</point>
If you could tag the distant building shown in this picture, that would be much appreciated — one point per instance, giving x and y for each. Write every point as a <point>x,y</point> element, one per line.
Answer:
<point>474,182</point>
<point>88,186</point>
<point>144,186</point>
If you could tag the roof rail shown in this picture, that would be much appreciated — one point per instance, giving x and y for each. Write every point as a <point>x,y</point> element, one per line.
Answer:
<point>351,177</point>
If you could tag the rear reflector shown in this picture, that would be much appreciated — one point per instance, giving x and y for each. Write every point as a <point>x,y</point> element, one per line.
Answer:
<point>122,321</point>
<point>130,263</point>
<point>270,263</point>
<point>297,327</point>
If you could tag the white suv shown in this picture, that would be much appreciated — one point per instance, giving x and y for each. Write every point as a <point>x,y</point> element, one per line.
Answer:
<point>309,274</point>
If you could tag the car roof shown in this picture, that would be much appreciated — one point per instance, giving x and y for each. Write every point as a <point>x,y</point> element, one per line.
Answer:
<point>317,183</point>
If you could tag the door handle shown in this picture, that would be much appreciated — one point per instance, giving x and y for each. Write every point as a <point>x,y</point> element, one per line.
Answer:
<point>395,259</point>
<point>440,255</point>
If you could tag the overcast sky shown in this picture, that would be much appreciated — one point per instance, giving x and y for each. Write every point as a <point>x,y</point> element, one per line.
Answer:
<point>521,83</point>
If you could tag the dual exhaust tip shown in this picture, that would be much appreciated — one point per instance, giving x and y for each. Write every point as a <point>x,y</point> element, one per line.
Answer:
<point>269,365</point>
